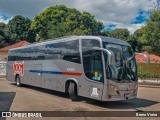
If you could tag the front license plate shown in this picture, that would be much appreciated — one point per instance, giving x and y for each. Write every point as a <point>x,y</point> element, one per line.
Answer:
<point>127,95</point>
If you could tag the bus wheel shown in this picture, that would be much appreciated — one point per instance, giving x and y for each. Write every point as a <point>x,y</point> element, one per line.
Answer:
<point>18,81</point>
<point>73,91</point>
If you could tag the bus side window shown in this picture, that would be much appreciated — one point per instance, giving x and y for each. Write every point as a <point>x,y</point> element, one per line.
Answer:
<point>54,51</point>
<point>70,51</point>
<point>15,55</point>
<point>92,62</point>
<point>10,55</point>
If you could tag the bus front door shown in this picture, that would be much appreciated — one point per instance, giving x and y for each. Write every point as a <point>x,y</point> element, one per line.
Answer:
<point>93,69</point>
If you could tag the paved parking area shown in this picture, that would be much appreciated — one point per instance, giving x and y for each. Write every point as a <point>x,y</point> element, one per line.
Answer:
<point>29,98</point>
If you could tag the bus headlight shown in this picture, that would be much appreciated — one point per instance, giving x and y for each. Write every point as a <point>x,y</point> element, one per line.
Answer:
<point>113,87</point>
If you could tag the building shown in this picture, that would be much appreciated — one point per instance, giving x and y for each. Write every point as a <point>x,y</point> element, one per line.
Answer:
<point>4,54</point>
<point>153,58</point>
<point>4,51</point>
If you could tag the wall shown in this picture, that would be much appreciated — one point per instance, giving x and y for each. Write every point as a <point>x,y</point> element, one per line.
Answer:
<point>3,55</point>
<point>2,68</point>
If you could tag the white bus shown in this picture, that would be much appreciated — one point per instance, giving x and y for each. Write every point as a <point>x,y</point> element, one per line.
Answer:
<point>100,68</point>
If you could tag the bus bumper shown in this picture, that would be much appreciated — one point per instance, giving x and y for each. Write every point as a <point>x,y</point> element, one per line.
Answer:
<point>120,95</point>
<point>115,98</point>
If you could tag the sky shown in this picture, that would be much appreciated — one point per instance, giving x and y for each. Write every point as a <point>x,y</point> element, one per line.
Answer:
<point>130,14</point>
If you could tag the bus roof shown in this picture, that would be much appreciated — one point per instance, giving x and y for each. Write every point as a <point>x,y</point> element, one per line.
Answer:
<point>62,39</point>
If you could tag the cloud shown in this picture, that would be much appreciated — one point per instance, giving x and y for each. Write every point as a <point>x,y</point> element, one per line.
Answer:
<point>131,27</point>
<point>107,10</point>
<point>27,8</point>
<point>125,13</point>
<point>4,18</point>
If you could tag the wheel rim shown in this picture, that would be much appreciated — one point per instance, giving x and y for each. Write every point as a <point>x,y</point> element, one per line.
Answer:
<point>18,81</point>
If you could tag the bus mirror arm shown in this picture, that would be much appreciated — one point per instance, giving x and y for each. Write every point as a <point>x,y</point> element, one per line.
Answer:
<point>147,58</point>
<point>110,54</point>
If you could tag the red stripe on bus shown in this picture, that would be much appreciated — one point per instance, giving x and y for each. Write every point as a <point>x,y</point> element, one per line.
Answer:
<point>72,73</point>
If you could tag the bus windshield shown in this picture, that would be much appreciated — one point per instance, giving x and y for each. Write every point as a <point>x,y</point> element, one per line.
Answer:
<point>125,64</point>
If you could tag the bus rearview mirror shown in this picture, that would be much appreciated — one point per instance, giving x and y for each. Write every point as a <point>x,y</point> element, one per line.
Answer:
<point>110,54</point>
<point>112,58</point>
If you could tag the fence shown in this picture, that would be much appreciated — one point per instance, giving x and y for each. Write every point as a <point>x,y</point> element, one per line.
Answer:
<point>149,72</point>
<point>3,68</point>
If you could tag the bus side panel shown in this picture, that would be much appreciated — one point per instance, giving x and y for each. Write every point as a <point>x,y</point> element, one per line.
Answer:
<point>72,71</point>
<point>9,71</point>
<point>50,81</point>
<point>42,73</point>
<point>50,77</point>
<point>53,81</point>
<point>8,75</point>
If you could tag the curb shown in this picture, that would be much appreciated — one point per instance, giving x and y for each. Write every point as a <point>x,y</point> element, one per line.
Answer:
<point>149,86</point>
<point>2,77</point>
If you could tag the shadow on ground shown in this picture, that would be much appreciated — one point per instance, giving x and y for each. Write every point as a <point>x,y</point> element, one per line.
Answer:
<point>129,104</point>
<point>6,99</point>
<point>47,91</point>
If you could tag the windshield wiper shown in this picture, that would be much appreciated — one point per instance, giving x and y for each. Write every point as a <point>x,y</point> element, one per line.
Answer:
<point>129,70</point>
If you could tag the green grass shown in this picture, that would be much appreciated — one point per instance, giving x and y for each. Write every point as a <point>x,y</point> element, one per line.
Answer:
<point>149,71</point>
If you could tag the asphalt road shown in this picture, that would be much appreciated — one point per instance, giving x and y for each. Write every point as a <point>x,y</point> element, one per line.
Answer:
<point>30,98</point>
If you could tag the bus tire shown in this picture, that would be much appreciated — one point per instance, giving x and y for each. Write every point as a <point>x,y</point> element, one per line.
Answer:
<point>72,91</point>
<point>18,81</point>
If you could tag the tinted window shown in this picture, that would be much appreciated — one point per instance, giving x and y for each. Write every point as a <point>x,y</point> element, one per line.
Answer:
<point>13,55</point>
<point>39,53</point>
<point>26,54</point>
<point>88,45</point>
<point>54,51</point>
<point>70,51</point>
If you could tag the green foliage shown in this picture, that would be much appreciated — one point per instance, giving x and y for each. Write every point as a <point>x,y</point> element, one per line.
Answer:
<point>58,30</point>
<point>106,33</point>
<point>60,21</point>
<point>119,33</point>
<point>19,27</point>
<point>2,25</point>
<point>149,71</point>
<point>133,40</point>
<point>4,35</point>
<point>148,75</point>
<point>150,37</point>
<point>122,34</point>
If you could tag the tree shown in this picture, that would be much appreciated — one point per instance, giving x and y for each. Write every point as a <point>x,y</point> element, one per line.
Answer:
<point>151,33</point>
<point>4,35</point>
<point>120,33</point>
<point>124,34</point>
<point>19,27</point>
<point>58,30</point>
<point>60,21</point>
<point>134,40</point>
<point>2,26</point>
<point>107,33</point>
